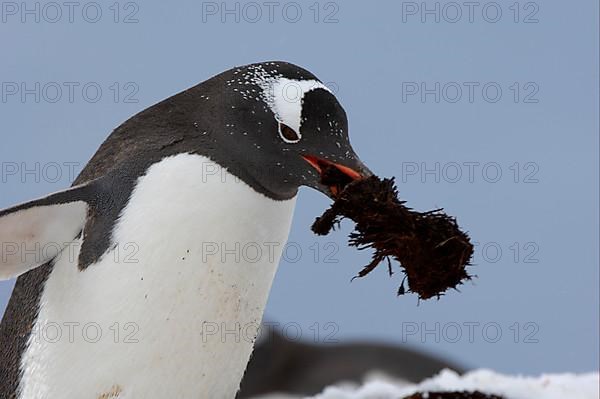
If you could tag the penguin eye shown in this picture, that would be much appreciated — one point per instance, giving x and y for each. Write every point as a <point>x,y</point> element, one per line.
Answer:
<point>288,134</point>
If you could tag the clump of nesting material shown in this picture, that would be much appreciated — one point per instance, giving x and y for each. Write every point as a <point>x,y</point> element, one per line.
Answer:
<point>429,246</point>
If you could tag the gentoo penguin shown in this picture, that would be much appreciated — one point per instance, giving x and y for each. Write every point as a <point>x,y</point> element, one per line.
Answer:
<point>149,276</point>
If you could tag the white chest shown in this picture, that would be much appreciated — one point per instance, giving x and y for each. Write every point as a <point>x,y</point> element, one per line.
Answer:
<point>172,310</point>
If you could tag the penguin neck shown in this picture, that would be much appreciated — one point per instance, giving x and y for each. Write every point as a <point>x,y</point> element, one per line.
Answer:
<point>176,300</point>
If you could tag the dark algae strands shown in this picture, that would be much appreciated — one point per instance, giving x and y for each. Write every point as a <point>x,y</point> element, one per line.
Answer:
<point>429,246</point>
<point>452,395</point>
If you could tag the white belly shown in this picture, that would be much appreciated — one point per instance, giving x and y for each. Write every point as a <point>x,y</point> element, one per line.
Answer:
<point>177,301</point>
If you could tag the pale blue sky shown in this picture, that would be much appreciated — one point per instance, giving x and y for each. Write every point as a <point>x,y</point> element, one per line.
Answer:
<point>543,126</point>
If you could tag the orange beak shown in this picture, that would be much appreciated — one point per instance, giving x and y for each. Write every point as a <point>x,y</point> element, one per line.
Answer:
<point>320,164</point>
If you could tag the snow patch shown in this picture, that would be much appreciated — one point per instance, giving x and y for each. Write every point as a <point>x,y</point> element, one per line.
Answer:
<point>546,386</point>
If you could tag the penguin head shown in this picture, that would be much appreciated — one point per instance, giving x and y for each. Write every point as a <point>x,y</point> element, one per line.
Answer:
<point>273,125</point>
<point>281,128</point>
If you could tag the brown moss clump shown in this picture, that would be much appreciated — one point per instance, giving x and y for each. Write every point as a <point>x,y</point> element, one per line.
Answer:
<point>452,395</point>
<point>429,246</point>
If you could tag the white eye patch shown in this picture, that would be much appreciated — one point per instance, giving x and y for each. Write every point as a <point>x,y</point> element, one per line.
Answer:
<point>285,96</point>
